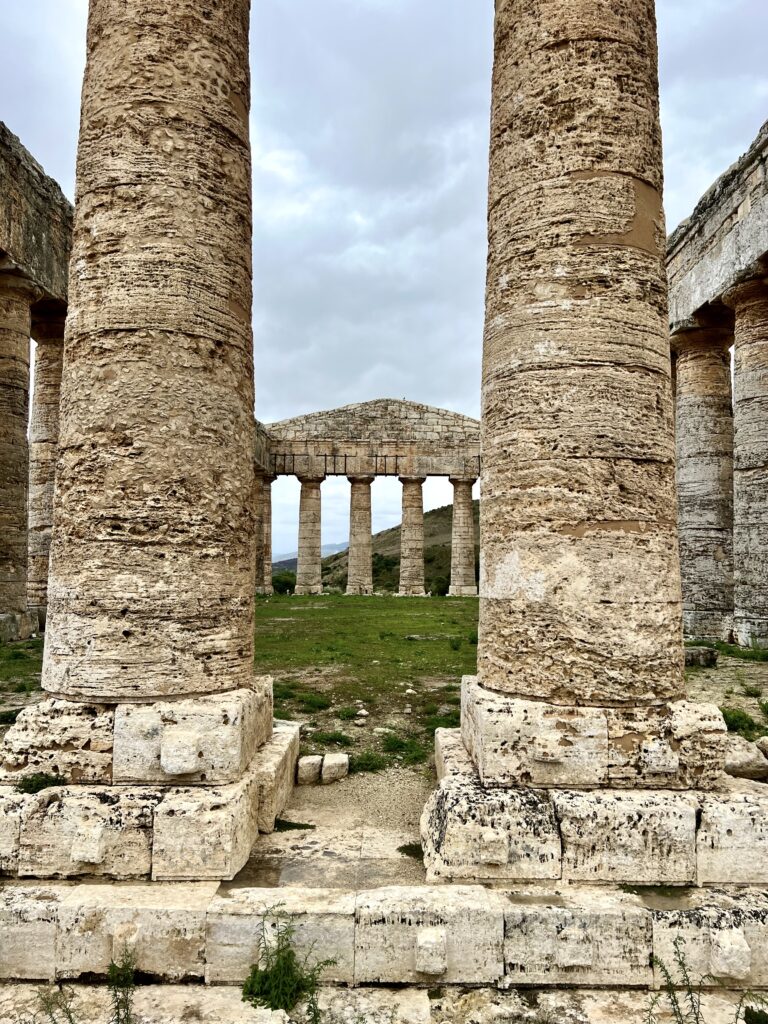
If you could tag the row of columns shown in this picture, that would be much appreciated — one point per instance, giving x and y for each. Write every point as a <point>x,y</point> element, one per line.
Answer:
<point>360,557</point>
<point>722,471</point>
<point>26,464</point>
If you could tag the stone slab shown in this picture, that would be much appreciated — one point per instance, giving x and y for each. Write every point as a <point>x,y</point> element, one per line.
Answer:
<point>208,740</point>
<point>646,837</point>
<point>732,840</point>
<point>13,807</point>
<point>323,919</point>
<point>577,936</point>
<point>28,924</point>
<point>451,756</point>
<point>274,768</point>
<point>59,737</point>
<point>72,831</point>
<point>440,934</point>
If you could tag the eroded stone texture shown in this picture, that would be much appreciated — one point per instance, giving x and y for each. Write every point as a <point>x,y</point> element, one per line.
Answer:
<point>648,837</point>
<point>359,564</point>
<point>28,926</point>
<point>732,840</point>
<point>309,573</point>
<point>576,937</point>
<point>208,740</point>
<point>151,586</point>
<point>704,439</point>
<point>463,581</point>
<point>13,809</point>
<point>750,469</point>
<point>48,333</point>
<point>86,831</point>
<point>16,295</point>
<point>258,529</point>
<point>412,539</point>
<point>580,591</point>
<point>274,768</point>
<point>58,737</point>
<point>422,934</point>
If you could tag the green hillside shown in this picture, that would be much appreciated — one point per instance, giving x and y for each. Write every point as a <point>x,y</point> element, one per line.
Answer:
<point>386,555</point>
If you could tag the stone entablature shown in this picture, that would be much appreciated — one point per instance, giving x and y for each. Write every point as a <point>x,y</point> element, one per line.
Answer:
<point>725,239</point>
<point>384,437</point>
<point>35,220</point>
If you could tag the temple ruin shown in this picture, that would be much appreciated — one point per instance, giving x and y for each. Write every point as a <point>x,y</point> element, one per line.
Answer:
<point>581,779</point>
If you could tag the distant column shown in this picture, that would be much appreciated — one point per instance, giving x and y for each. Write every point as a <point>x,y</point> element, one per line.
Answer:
<point>704,439</point>
<point>360,566</point>
<point>266,514</point>
<point>15,331</point>
<point>43,443</point>
<point>412,538</point>
<point>258,529</point>
<point>750,468</point>
<point>309,578</point>
<point>463,580</point>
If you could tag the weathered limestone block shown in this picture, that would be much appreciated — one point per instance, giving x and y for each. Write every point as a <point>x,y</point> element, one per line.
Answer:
<point>532,743</point>
<point>725,935</point>
<point>701,657</point>
<point>750,468</point>
<point>151,588</point>
<point>412,538</point>
<point>28,917</point>
<point>71,831</point>
<point>13,810</point>
<point>421,934</point>
<point>335,767</point>
<point>206,832</point>
<point>451,756</point>
<point>308,770</point>
<point>162,925</point>
<point>613,836</point>
<point>48,333</point>
<point>309,573</point>
<point>57,737</point>
<point>580,579</point>
<point>732,841</point>
<point>274,769</point>
<point>208,740</point>
<point>745,760</point>
<point>577,937</point>
<point>324,920</point>
<point>471,833</point>
<point>463,581</point>
<point>359,562</point>
<point>16,296</point>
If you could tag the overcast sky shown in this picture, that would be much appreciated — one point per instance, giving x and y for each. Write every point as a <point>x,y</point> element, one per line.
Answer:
<point>370,134</point>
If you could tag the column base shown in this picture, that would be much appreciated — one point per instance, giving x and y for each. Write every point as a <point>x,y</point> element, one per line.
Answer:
<point>315,589</point>
<point>462,592</point>
<point>362,591</point>
<point>18,626</point>
<point>411,592</point>
<point>640,837</point>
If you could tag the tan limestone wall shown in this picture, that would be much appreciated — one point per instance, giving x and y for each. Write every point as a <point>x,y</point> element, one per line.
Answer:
<point>360,560</point>
<point>412,539</point>
<point>750,469</point>
<point>580,585</point>
<point>151,585</point>
<point>43,444</point>
<point>15,330</point>
<point>309,577</point>
<point>704,438</point>
<point>463,582</point>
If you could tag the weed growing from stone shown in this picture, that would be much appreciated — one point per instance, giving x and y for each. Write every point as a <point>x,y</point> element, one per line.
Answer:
<point>413,850</point>
<point>281,979</point>
<point>281,825</point>
<point>56,1004</point>
<point>121,979</point>
<point>37,782</point>
<point>684,999</point>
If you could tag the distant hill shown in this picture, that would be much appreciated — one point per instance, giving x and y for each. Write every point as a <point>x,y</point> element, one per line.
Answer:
<point>287,563</point>
<point>386,554</point>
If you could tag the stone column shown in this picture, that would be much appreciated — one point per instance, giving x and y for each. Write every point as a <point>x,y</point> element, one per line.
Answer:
<point>15,331</point>
<point>704,419</point>
<point>44,438</point>
<point>258,530</point>
<point>580,584</point>
<point>266,512</point>
<point>463,582</point>
<point>151,589</point>
<point>750,467</point>
<point>309,572</point>
<point>412,538</point>
<point>359,563</point>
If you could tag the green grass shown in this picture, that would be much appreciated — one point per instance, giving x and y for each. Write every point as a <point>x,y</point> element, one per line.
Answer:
<point>408,749</point>
<point>331,739</point>
<point>20,666</point>
<point>743,724</point>
<point>732,650</point>
<point>367,761</point>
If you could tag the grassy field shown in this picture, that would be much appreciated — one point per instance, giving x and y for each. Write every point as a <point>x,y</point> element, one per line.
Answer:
<point>399,659</point>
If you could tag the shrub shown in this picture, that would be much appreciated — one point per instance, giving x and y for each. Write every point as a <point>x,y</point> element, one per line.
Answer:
<point>37,782</point>
<point>284,582</point>
<point>9,717</point>
<point>752,691</point>
<point>347,714</point>
<point>281,979</point>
